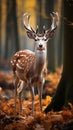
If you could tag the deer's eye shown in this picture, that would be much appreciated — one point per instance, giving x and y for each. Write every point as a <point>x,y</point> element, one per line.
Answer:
<point>44,39</point>
<point>36,39</point>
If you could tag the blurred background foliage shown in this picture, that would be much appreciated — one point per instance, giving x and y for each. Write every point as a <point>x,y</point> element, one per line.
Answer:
<point>13,36</point>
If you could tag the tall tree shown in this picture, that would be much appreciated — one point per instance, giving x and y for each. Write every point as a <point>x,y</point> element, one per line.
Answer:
<point>64,93</point>
<point>49,7</point>
<point>58,39</point>
<point>40,16</point>
<point>12,38</point>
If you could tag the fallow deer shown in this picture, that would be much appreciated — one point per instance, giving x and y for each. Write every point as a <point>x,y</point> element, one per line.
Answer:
<point>29,67</point>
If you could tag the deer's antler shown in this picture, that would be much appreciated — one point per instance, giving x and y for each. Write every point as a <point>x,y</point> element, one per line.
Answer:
<point>26,18</point>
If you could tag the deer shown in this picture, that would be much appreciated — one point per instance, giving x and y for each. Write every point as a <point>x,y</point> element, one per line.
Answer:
<point>29,67</point>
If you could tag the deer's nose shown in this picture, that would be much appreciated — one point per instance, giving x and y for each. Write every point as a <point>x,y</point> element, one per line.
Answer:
<point>40,46</point>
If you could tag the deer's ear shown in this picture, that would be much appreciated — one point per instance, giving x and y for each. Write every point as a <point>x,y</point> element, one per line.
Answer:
<point>50,34</point>
<point>31,35</point>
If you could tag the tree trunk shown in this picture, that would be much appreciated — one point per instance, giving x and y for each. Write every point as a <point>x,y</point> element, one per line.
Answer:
<point>15,26</point>
<point>8,28</point>
<point>64,93</point>
<point>49,6</point>
<point>12,38</point>
<point>40,16</point>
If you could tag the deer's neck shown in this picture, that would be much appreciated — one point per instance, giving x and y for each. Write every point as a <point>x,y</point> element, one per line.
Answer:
<point>40,61</point>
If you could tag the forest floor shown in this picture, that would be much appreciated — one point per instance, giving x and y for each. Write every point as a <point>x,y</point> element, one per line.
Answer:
<point>11,119</point>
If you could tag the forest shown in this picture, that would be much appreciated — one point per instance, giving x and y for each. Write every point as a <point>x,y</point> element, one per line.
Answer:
<point>57,94</point>
<point>12,33</point>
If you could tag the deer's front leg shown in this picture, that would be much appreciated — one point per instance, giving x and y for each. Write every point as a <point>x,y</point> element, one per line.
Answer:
<point>40,90</point>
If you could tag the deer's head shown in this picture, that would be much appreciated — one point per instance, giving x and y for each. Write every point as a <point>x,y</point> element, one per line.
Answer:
<point>40,39</point>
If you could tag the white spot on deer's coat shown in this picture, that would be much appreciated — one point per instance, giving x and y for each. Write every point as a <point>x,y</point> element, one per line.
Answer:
<point>19,67</point>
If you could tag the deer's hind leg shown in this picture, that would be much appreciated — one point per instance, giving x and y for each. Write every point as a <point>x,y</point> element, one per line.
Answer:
<point>31,87</point>
<point>16,83</point>
<point>20,89</point>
